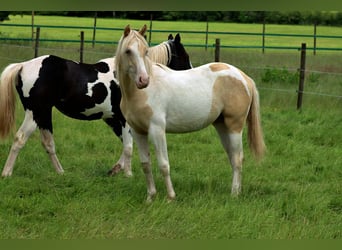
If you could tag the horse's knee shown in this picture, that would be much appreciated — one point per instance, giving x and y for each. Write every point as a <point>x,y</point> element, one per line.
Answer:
<point>164,169</point>
<point>146,167</point>
<point>128,152</point>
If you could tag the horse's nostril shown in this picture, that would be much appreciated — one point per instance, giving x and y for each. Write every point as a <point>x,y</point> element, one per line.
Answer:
<point>144,80</point>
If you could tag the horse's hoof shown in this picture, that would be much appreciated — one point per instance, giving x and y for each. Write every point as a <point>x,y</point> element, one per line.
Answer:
<point>115,170</point>
<point>129,174</point>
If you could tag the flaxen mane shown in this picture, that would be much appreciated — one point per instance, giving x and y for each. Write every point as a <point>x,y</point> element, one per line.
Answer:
<point>160,53</point>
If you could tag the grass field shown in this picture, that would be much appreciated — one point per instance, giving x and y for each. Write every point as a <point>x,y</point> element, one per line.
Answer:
<point>295,193</point>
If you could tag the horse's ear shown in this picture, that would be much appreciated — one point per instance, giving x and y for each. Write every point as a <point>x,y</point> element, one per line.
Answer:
<point>177,38</point>
<point>127,30</point>
<point>170,37</point>
<point>143,30</point>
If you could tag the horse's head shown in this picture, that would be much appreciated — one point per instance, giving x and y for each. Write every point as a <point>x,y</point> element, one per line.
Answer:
<point>179,57</point>
<point>131,57</point>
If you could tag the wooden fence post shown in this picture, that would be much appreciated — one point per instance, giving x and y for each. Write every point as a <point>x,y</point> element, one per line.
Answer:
<point>301,76</point>
<point>94,30</point>
<point>32,24</point>
<point>217,49</point>
<point>315,38</point>
<point>82,47</point>
<point>150,31</point>
<point>36,46</point>
<point>263,36</point>
<point>206,36</point>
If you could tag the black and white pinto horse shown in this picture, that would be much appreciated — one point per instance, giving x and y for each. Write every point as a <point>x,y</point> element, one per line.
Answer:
<point>78,90</point>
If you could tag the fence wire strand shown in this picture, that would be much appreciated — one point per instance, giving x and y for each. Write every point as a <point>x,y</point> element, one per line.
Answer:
<point>109,54</point>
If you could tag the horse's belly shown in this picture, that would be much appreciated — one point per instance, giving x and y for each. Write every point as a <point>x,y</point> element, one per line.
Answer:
<point>85,111</point>
<point>188,118</point>
<point>181,127</point>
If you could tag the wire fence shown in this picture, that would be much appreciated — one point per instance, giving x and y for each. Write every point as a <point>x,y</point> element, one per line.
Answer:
<point>9,58</point>
<point>262,37</point>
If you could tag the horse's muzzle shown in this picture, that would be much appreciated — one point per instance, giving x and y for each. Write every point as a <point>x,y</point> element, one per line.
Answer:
<point>143,82</point>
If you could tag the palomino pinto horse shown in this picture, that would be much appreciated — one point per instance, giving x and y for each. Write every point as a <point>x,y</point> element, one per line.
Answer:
<point>156,100</point>
<point>81,91</point>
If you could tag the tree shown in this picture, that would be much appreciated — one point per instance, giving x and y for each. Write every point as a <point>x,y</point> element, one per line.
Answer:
<point>4,15</point>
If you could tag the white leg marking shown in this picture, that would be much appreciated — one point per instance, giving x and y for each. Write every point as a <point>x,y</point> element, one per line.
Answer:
<point>232,143</point>
<point>128,149</point>
<point>158,137</point>
<point>124,163</point>
<point>49,145</point>
<point>24,132</point>
<point>144,154</point>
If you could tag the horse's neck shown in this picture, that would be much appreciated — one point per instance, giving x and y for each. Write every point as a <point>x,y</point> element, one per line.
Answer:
<point>128,88</point>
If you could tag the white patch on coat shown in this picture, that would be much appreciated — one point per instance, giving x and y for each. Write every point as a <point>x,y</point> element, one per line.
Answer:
<point>185,99</point>
<point>188,110</point>
<point>105,106</point>
<point>30,74</point>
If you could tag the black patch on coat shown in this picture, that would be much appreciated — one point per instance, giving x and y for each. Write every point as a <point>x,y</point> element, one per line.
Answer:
<point>101,67</point>
<point>64,84</point>
<point>117,121</point>
<point>99,92</point>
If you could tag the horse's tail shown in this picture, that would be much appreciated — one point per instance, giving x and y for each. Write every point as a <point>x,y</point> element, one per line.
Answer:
<point>8,80</point>
<point>255,134</point>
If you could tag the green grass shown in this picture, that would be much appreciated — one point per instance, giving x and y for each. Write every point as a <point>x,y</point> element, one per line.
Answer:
<point>295,193</point>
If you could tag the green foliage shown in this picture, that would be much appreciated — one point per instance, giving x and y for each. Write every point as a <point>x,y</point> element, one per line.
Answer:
<point>4,15</point>
<point>276,17</point>
<point>276,75</point>
<point>285,76</point>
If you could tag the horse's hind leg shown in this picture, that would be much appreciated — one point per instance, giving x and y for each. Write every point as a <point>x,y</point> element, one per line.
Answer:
<point>49,145</point>
<point>232,143</point>
<point>123,132</point>
<point>24,132</point>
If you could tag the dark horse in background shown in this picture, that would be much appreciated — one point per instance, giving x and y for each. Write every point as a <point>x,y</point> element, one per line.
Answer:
<point>78,90</point>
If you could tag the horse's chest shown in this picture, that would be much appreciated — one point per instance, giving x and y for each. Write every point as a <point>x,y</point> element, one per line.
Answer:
<point>137,116</point>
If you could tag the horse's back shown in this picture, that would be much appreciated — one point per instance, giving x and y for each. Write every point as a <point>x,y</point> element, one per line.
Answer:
<point>199,80</point>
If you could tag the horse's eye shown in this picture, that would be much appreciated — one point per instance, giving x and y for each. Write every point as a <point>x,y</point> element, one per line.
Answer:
<point>146,53</point>
<point>128,51</point>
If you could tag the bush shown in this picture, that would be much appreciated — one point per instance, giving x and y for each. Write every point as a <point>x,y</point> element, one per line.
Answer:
<point>274,75</point>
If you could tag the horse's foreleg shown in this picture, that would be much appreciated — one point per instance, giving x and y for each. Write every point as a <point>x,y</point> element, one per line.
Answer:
<point>23,133</point>
<point>232,143</point>
<point>159,139</point>
<point>127,141</point>
<point>49,145</point>
<point>144,154</point>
